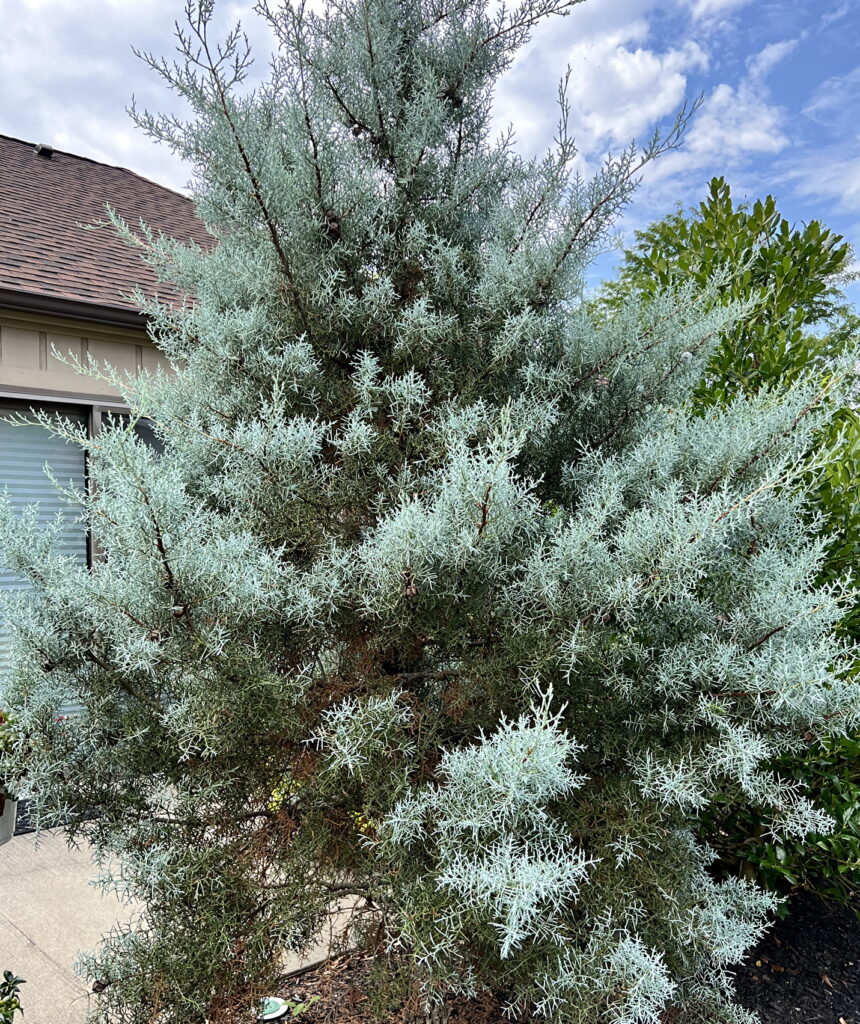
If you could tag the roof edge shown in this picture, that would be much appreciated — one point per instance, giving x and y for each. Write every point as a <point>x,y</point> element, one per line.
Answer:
<point>71,309</point>
<point>101,163</point>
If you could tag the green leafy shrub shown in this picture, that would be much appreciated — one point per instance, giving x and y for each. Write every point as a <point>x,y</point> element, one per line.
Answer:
<point>828,863</point>
<point>10,990</point>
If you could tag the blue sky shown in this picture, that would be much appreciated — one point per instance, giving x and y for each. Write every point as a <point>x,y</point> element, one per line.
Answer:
<point>780,82</point>
<point>781,98</point>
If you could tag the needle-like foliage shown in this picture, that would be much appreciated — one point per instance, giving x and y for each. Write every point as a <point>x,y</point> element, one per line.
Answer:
<point>439,595</point>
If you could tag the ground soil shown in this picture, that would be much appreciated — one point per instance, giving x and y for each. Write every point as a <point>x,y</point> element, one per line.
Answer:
<point>806,970</point>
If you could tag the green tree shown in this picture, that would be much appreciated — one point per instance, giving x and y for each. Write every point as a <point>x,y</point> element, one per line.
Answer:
<point>785,274</point>
<point>797,322</point>
<point>438,595</point>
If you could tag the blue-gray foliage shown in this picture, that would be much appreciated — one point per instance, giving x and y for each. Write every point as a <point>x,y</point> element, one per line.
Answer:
<point>439,596</point>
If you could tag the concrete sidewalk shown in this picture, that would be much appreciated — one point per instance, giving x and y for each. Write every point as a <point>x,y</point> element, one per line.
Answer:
<point>49,913</point>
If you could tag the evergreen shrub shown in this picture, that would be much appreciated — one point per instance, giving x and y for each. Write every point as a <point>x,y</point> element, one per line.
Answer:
<point>440,596</point>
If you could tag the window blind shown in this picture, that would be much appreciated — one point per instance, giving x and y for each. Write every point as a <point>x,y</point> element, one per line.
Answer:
<point>24,453</point>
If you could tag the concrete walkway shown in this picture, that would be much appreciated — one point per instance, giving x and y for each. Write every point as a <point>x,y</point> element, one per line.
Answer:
<point>49,913</point>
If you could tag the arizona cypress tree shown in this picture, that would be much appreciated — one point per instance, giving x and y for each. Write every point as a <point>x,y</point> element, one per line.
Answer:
<point>437,595</point>
<point>798,321</point>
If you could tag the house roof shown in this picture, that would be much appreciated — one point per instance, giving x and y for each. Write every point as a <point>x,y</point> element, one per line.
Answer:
<point>50,263</point>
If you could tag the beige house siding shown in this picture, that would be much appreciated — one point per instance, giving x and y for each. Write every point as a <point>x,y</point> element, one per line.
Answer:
<point>32,350</point>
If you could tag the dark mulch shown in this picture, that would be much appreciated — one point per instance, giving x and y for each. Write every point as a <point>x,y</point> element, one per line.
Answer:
<point>806,970</point>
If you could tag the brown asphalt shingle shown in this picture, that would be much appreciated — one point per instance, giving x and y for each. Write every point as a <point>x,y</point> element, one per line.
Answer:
<point>43,249</point>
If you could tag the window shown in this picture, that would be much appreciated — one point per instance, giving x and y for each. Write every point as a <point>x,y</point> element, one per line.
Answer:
<point>25,451</point>
<point>143,428</point>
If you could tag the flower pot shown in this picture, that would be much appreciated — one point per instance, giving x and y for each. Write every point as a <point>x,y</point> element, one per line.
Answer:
<point>8,813</point>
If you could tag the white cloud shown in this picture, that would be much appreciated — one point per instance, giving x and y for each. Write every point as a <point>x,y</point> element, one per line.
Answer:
<point>711,8</point>
<point>831,173</point>
<point>71,74</point>
<point>736,120</point>
<point>620,90</point>
<point>835,14</point>
<point>835,101</point>
<point>626,78</point>
<point>737,124</point>
<point>621,84</point>
<point>762,63</point>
